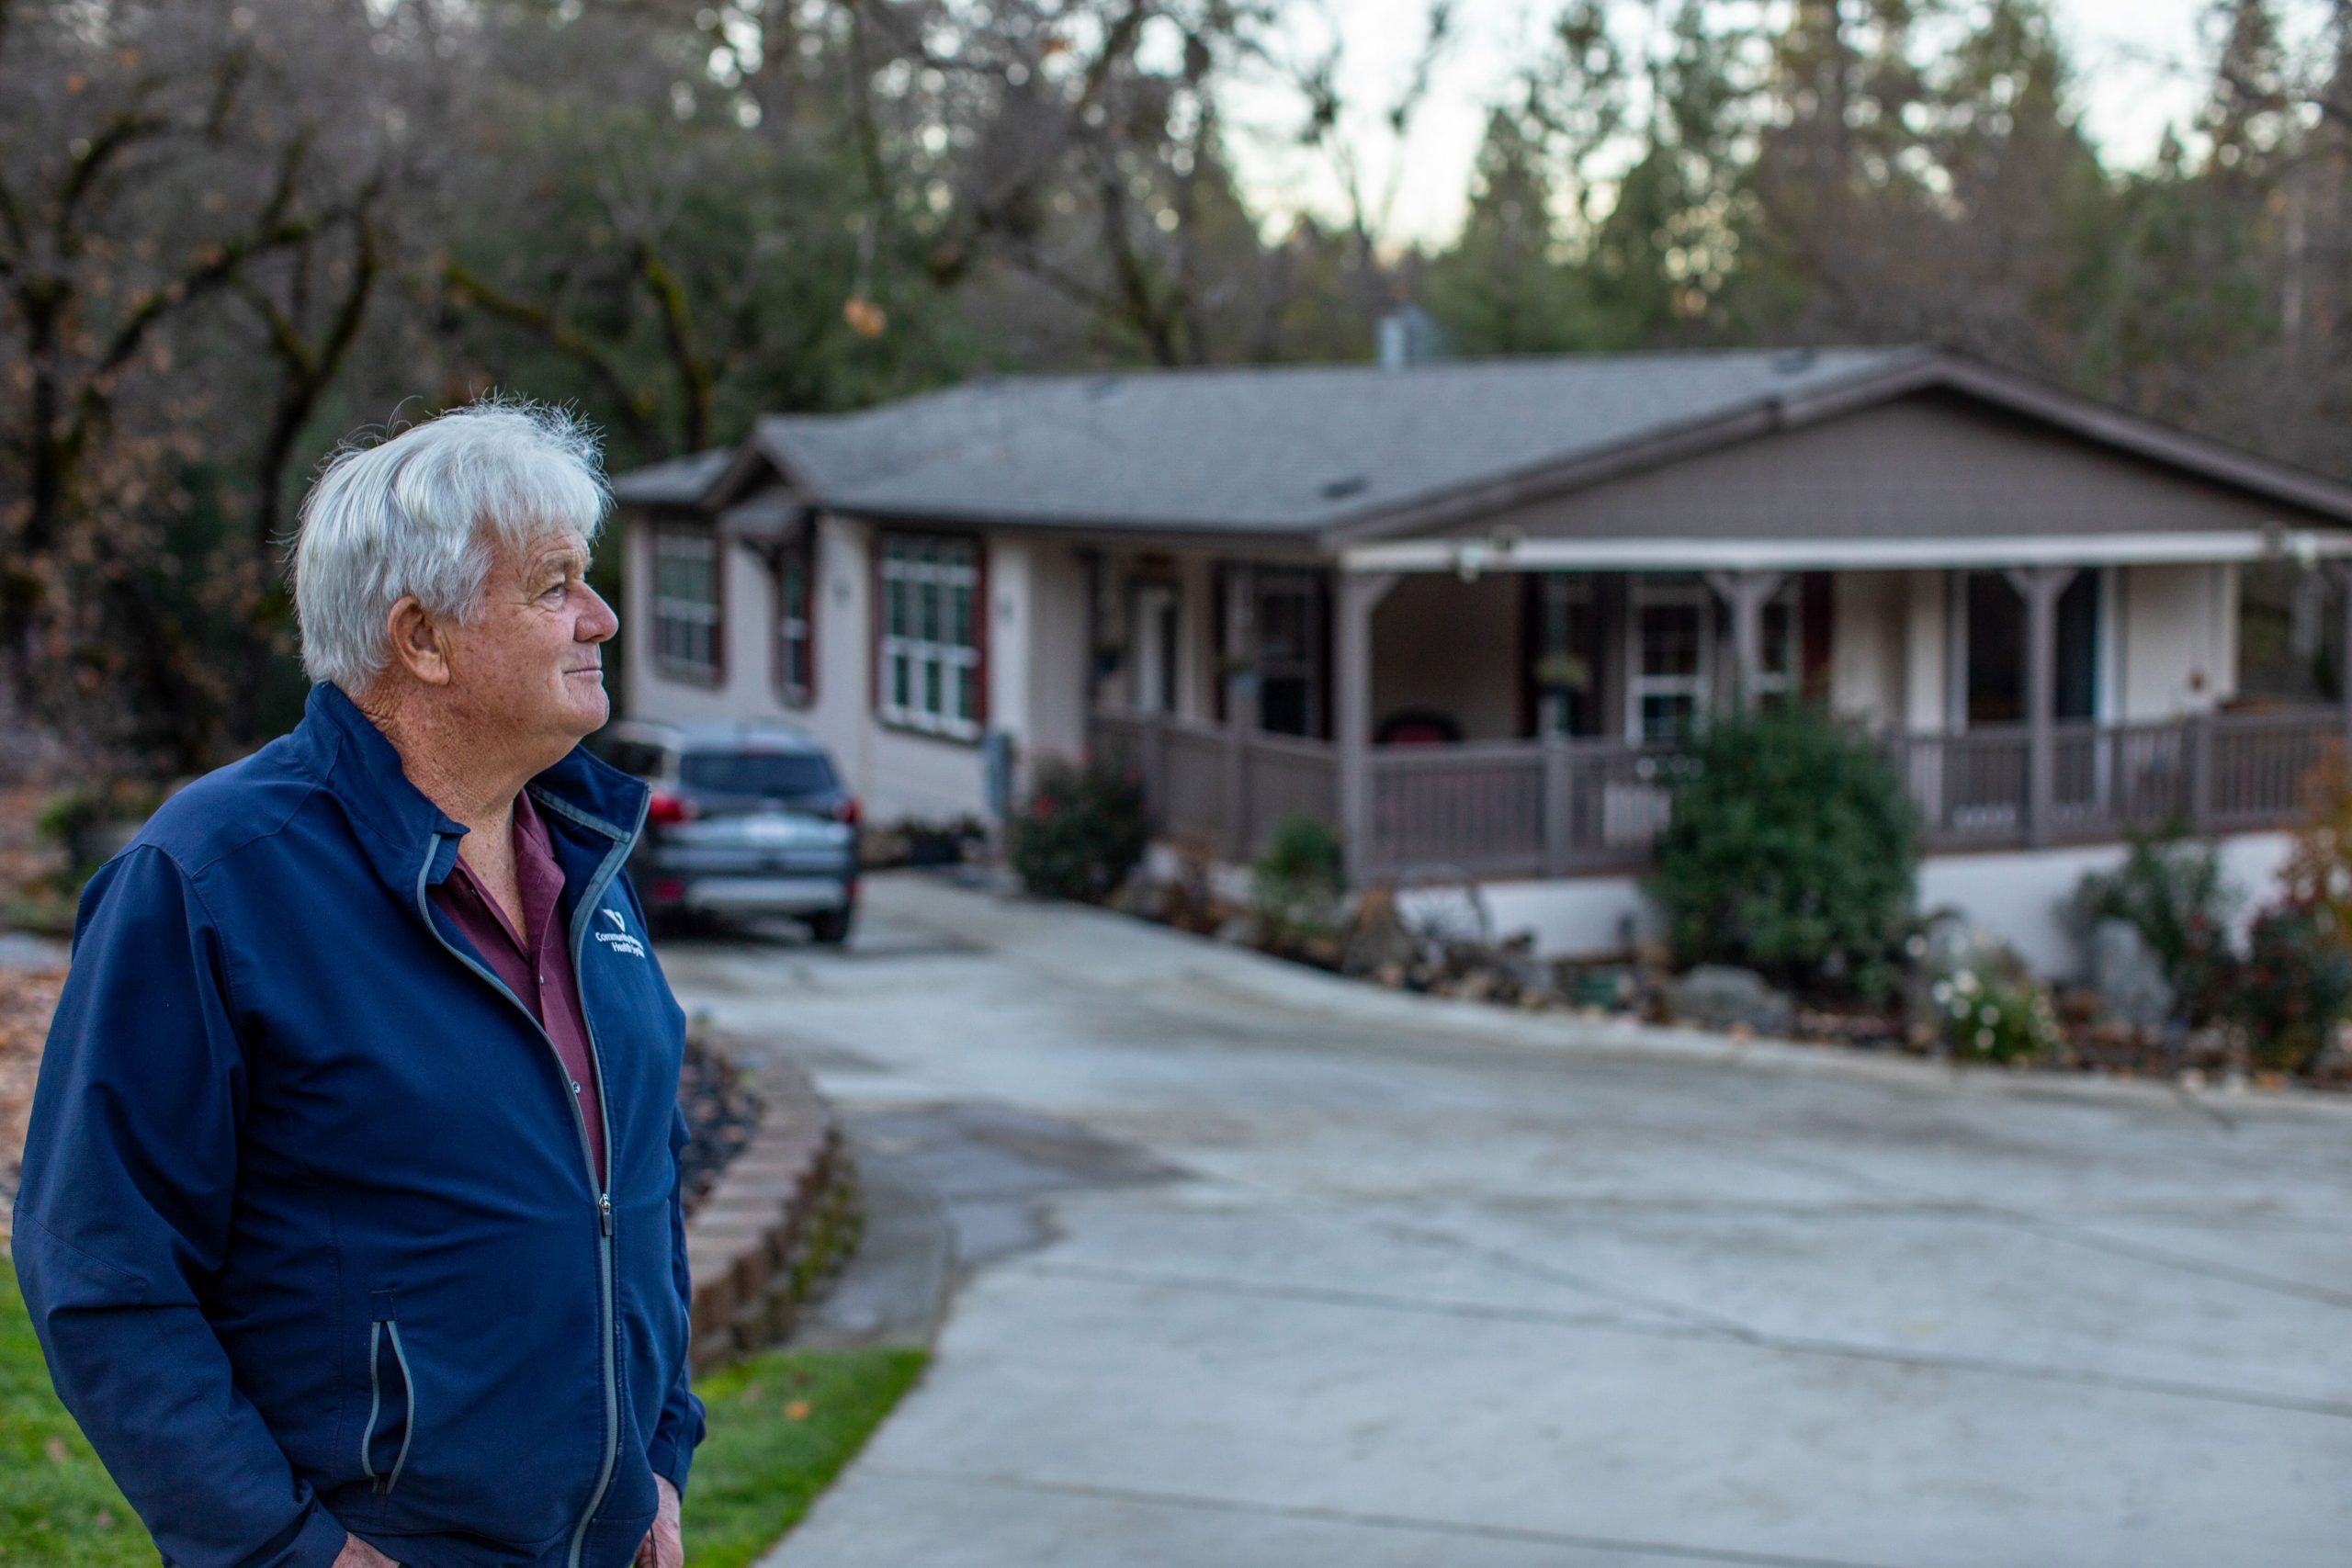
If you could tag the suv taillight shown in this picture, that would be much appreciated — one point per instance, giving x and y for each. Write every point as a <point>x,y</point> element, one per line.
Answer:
<point>846,812</point>
<point>669,809</point>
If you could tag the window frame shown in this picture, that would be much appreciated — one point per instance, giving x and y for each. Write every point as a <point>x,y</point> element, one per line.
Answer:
<point>915,558</point>
<point>795,621</point>
<point>1664,591</point>
<point>670,610</point>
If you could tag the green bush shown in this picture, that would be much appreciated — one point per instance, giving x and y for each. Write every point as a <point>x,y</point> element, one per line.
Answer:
<point>1792,851</point>
<point>2287,994</point>
<point>1082,830</point>
<point>1296,885</point>
<point>2169,889</point>
<point>1998,1019</point>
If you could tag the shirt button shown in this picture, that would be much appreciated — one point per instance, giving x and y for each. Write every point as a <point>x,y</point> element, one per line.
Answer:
<point>575,1086</point>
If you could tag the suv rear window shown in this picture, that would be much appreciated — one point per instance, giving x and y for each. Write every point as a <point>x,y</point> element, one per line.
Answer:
<point>770,776</point>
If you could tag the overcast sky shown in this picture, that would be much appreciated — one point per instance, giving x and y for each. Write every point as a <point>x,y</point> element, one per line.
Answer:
<point>2138,67</point>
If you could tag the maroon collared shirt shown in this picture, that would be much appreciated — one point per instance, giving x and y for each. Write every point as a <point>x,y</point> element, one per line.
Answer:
<point>535,961</point>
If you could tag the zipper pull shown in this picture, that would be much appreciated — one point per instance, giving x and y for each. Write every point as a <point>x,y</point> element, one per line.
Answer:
<point>605,1211</point>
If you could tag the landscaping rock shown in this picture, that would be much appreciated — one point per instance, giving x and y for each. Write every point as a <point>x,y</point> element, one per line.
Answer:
<point>1142,897</point>
<point>1377,939</point>
<point>1242,931</point>
<point>2129,975</point>
<point>1717,996</point>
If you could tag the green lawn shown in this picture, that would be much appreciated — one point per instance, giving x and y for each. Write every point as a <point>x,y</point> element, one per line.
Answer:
<point>781,1427</point>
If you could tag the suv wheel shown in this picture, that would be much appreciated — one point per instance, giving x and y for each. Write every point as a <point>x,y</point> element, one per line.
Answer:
<point>831,928</point>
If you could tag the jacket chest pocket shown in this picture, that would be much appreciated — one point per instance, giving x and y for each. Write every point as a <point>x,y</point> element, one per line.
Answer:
<point>392,1396</point>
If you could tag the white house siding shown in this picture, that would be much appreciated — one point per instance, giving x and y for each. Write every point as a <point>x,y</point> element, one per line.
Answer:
<point>1868,616</point>
<point>1450,647</point>
<point>2019,896</point>
<point>1053,616</point>
<point>2179,638</point>
<point>1926,643</point>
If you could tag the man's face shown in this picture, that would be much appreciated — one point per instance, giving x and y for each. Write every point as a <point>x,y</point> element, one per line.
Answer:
<point>529,667</point>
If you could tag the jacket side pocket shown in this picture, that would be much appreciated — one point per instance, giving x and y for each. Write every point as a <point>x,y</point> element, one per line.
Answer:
<point>391,1397</point>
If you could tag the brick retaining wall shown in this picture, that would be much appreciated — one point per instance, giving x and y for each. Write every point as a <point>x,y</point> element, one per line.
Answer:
<point>780,1219</point>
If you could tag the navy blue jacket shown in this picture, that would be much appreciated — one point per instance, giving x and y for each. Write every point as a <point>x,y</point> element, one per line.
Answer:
<point>308,1225</point>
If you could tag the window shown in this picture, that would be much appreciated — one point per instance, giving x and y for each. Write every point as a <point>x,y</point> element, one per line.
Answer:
<point>1290,653</point>
<point>1993,655</point>
<point>767,775</point>
<point>686,602</point>
<point>1671,630</point>
<point>1777,633</point>
<point>931,633</point>
<point>1567,644</point>
<point>796,618</point>
<point>1153,632</point>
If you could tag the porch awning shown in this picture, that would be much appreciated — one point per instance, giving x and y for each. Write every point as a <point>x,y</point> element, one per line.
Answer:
<point>1985,552</point>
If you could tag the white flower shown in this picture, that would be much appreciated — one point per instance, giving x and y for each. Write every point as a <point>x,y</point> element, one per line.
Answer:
<point>1983,1040</point>
<point>1990,1015</point>
<point>1942,991</point>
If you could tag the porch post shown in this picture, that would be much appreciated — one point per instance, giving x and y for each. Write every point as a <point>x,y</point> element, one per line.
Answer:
<point>2339,572</point>
<point>1359,593</point>
<point>1241,702</point>
<point>1746,592</point>
<point>2039,586</point>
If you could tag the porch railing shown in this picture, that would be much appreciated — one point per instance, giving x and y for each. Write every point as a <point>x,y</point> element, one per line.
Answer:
<point>1562,807</point>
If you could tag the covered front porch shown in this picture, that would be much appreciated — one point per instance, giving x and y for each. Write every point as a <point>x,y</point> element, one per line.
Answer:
<point>1514,709</point>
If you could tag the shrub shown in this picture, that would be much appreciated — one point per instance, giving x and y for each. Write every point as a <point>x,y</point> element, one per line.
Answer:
<point>2170,890</point>
<point>1791,850</point>
<point>1998,1019</point>
<point>1296,885</point>
<point>2294,985</point>
<point>1082,829</point>
<point>2319,865</point>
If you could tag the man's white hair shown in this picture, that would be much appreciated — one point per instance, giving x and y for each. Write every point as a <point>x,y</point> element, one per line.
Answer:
<point>422,512</point>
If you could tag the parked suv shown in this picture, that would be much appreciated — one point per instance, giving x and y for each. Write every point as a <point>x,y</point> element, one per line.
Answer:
<point>746,818</point>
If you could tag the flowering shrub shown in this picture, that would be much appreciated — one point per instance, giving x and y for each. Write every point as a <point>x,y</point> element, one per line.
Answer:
<point>1083,827</point>
<point>2286,996</point>
<point>1997,1019</point>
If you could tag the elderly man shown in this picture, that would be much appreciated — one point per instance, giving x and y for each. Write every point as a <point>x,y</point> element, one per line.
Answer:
<point>350,1216</point>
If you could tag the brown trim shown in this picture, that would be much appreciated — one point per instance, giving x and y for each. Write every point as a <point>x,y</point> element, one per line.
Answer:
<point>1531,634</point>
<point>983,625</point>
<point>671,668</point>
<point>1816,626</point>
<point>812,559</point>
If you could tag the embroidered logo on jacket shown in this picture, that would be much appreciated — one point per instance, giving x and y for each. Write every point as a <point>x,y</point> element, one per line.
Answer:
<point>619,939</point>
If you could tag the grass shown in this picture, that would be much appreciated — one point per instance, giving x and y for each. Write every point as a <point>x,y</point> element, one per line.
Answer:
<point>781,1427</point>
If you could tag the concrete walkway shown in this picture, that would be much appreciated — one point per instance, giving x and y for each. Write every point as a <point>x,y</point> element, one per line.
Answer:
<point>1267,1268</point>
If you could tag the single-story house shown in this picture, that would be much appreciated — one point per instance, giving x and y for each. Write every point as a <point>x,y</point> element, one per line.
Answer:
<point>1466,611</point>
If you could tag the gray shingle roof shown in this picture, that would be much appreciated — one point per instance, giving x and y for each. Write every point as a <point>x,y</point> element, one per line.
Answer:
<point>681,481</point>
<point>1287,448</point>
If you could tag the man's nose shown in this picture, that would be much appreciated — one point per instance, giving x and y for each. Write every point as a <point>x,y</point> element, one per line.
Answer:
<point>599,624</point>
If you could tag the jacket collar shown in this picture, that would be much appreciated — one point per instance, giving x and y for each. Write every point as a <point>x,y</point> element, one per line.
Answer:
<point>360,768</point>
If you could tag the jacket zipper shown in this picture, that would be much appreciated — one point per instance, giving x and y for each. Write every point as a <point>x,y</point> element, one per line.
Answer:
<point>581,909</point>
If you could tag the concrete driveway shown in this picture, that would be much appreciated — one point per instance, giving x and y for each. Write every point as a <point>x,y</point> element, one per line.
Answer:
<point>1267,1268</point>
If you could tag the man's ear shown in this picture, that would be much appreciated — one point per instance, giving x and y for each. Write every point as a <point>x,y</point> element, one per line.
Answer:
<point>420,644</point>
